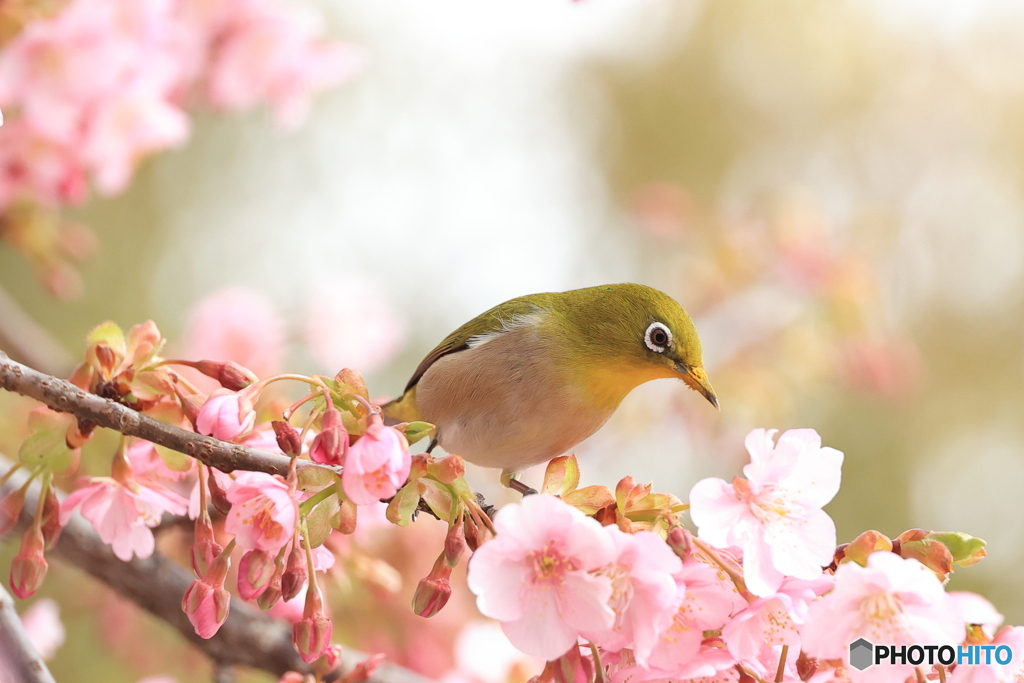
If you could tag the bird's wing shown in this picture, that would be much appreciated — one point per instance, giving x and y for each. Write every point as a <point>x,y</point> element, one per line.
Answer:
<point>479,330</point>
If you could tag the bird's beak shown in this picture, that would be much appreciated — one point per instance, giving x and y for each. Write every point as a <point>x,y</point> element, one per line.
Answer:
<point>697,379</point>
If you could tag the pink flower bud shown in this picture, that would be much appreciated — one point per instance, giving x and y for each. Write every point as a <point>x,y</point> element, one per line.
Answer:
<point>50,523</point>
<point>255,571</point>
<point>204,549</point>
<point>331,443</point>
<point>230,374</point>
<point>448,469</point>
<point>272,593</point>
<point>288,438</point>
<point>225,416</point>
<point>433,591</point>
<point>376,465</point>
<point>312,635</point>
<point>10,508</point>
<point>681,542</point>
<point>332,657</point>
<point>218,496</point>
<point>294,577</point>
<point>206,606</point>
<point>28,568</point>
<point>454,543</point>
<point>364,670</point>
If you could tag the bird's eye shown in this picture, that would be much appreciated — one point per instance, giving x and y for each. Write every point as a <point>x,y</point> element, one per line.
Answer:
<point>658,337</point>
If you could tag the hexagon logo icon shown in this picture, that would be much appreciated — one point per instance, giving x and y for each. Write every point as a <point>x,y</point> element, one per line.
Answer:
<point>861,654</point>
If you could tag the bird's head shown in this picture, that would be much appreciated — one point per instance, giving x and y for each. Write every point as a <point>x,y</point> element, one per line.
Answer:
<point>640,333</point>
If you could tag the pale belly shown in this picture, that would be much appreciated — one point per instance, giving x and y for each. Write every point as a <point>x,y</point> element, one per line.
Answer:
<point>497,407</point>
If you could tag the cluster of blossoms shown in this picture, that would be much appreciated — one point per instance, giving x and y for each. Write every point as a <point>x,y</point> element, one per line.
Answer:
<point>342,457</point>
<point>625,594</point>
<point>605,585</point>
<point>101,84</point>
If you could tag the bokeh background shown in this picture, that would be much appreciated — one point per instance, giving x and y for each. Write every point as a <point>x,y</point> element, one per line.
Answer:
<point>835,191</point>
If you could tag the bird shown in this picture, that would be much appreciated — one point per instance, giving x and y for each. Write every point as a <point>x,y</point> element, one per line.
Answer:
<point>529,379</point>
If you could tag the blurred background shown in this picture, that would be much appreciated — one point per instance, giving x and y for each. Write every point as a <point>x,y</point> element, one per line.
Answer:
<point>835,192</point>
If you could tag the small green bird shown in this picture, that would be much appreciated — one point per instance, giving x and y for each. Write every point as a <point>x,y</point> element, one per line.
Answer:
<point>529,379</point>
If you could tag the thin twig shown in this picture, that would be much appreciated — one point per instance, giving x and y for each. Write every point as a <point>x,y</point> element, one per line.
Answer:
<point>65,397</point>
<point>17,654</point>
<point>249,637</point>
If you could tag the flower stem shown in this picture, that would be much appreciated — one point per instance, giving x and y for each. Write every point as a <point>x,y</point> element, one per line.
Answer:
<point>307,505</point>
<point>780,673</point>
<point>741,585</point>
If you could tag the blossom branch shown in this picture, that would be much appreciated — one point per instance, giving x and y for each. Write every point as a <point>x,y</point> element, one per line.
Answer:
<point>249,637</point>
<point>16,650</point>
<point>62,396</point>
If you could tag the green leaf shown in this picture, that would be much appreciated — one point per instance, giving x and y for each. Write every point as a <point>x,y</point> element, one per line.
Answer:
<point>965,549</point>
<point>313,478</point>
<point>415,431</point>
<point>321,520</point>
<point>438,497</point>
<point>110,334</point>
<point>404,504</point>
<point>48,447</point>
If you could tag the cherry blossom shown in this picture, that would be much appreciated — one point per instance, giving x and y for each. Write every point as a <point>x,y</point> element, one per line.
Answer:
<point>123,513</point>
<point>263,512</point>
<point>376,465</point>
<point>536,576</point>
<point>891,601</point>
<point>774,514</point>
<point>225,416</point>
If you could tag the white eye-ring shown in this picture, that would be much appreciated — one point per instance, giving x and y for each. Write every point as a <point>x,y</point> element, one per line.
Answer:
<point>658,337</point>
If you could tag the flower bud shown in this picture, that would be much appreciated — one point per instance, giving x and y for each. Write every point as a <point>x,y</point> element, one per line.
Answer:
<point>105,358</point>
<point>28,568</point>
<point>681,542</point>
<point>206,606</point>
<point>10,508</point>
<point>272,593</point>
<point>255,570</point>
<point>230,374</point>
<point>433,590</point>
<point>50,523</point>
<point>331,443</point>
<point>364,670</point>
<point>448,469</point>
<point>312,635</point>
<point>454,543</point>
<point>354,381</point>
<point>294,577</point>
<point>218,496</point>
<point>204,549</point>
<point>288,438</point>
<point>225,416</point>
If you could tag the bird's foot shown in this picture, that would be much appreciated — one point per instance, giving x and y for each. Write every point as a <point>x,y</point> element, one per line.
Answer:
<point>508,479</point>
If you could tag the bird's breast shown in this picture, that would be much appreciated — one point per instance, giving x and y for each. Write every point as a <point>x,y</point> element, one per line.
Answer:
<point>508,403</point>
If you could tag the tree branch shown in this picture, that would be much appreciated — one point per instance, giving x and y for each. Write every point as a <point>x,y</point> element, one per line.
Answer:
<point>65,397</point>
<point>249,637</point>
<point>16,651</point>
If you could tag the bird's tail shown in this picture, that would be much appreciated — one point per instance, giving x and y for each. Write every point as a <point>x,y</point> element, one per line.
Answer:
<point>402,409</point>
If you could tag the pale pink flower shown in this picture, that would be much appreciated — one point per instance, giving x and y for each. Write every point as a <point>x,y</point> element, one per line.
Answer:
<point>148,465</point>
<point>225,416</point>
<point>352,323</point>
<point>538,575</point>
<point>43,627</point>
<point>708,600</point>
<point>263,512</point>
<point>123,514</point>
<point>991,672</point>
<point>377,465</point>
<point>237,324</point>
<point>774,514</point>
<point>974,609</point>
<point>268,54</point>
<point>483,654</point>
<point>644,593</point>
<point>33,167</point>
<point>892,601</point>
<point>771,622</point>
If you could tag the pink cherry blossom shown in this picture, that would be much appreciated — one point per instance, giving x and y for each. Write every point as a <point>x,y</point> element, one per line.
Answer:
<point>774,514</point>
<point>538,575</point>
<point>709,598</point>
<point>892,601</point>
<point>225,416</point>
<point>123,514</point>
<point>644,593</point>
<point>376,465</point>
<point>263,512</point>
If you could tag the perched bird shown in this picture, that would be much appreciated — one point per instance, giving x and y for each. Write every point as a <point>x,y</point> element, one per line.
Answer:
<point>529,379</point>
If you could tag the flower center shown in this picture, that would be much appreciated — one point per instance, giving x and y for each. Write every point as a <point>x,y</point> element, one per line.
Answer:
<point>550,565</point>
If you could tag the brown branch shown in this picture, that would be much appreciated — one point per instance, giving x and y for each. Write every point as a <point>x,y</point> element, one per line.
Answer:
<point>17,654</point>
<point>249,637</point>
<point>65,397</point>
